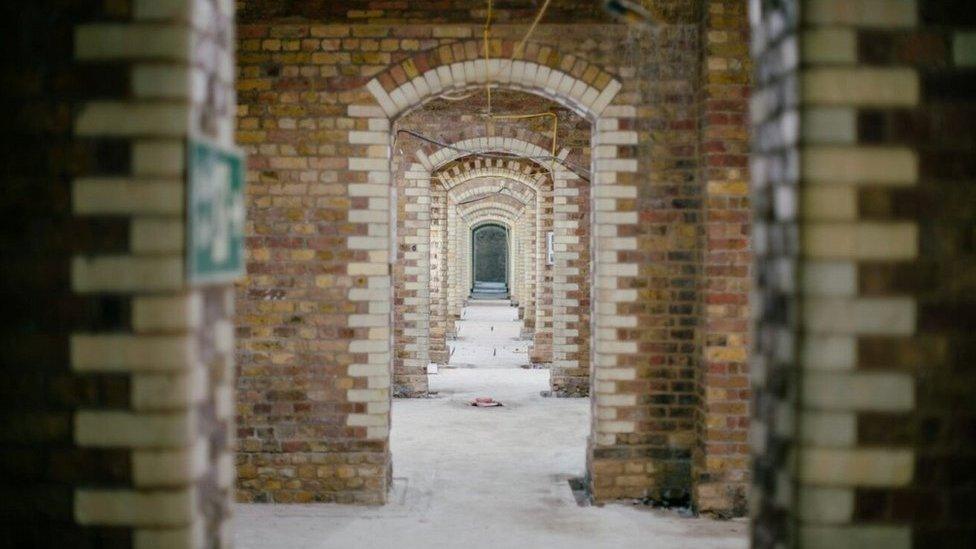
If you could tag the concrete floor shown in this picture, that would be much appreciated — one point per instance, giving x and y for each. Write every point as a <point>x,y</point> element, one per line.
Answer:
<point>474,478</point>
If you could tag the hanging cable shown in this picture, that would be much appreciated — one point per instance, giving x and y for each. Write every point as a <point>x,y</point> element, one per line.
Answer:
<point>535,23</point>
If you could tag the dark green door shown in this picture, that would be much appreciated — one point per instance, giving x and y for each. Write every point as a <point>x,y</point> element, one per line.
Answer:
<point>490,254</point>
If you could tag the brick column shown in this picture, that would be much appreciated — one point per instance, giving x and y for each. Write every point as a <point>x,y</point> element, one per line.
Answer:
<point>411,291</point>
<point>529,251</point>
<point>541,351</point>
<point>152,461</point>
<point>453,268</point>
<point>721,460</point>
<point>438,275</point>
<point>515,279</point>
<point>464,262</point>
<point>620,461</point>
<point>844,361</point>
<point>570,374</point>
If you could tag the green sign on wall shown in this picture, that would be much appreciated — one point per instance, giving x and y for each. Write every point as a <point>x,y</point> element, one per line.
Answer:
<point>215,231</point>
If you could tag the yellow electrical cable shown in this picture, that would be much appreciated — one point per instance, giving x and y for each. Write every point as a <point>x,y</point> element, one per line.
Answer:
<point>535,23</point>
<point>515,52</point>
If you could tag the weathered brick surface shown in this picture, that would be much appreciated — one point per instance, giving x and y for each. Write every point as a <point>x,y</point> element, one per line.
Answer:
<point>541,350</point>
<point>439,261</point>
<point>722,458</point>
<point>411,276</point>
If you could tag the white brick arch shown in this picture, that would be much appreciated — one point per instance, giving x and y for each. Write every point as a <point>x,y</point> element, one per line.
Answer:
<point>612,193</point>
<point>517,148</point>
<point>502,187</point>
<point>488,218</point>
<point>475,198</point>
<point>513,212</point>
<point>457,176</point>
<point>409,84</point>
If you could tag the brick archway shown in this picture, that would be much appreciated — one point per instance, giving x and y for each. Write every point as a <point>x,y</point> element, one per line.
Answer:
<point>663,186</point>
<point>566,79</point>
<point>457,182</point>
<point>560,323</point>
<point>589,91</point>
<point>489,214</point>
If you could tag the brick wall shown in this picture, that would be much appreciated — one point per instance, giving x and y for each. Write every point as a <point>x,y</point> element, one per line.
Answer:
<point>722,458</point>
<point>411,277</point>
<point>118,401</point>
<point>439,261</point>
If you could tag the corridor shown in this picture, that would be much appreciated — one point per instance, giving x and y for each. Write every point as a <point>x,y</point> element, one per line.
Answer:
<point>240,240</point>
<point>483,477</point>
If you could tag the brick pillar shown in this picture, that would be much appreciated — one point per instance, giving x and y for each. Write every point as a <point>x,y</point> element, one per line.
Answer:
<point>438,275</point>
<point>529,264</point>
<point>453,268</point>
<point>942,132</point>
<point>541,351</point>
<point>411,290</point>
<point>464,261</point>
<point>570,374</point>
<point>622,462</point>
<point>118,373</point>
<point>721,460</point>
<point>861,134</point>
<point>515,260</point>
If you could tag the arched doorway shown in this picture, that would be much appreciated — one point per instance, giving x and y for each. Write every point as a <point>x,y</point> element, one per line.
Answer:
<point>489,262</point>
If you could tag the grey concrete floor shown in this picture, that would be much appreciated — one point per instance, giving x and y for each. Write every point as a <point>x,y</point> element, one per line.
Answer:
<point>468,477</point>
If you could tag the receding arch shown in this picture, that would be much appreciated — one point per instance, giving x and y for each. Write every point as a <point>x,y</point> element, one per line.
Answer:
<point>500,201</point>
<point>459,66</point>
<point>611,207</point>
<point>479,188</point>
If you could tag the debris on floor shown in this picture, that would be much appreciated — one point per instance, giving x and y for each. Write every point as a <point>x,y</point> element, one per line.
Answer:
<point>485,402</point>
<point>675,500</point>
